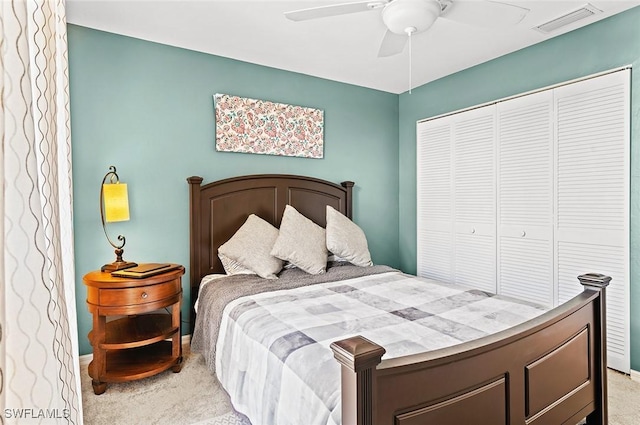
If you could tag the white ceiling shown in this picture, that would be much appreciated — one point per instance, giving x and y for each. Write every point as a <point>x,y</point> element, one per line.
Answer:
<point>341,48</point>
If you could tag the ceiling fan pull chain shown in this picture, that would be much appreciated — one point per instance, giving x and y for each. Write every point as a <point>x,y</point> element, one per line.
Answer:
<point>409,31</point>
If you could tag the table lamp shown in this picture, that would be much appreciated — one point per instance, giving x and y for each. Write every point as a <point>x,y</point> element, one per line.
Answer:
<point>114,206</point>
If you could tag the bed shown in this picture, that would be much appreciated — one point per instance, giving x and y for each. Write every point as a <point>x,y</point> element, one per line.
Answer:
<point>547,370</point>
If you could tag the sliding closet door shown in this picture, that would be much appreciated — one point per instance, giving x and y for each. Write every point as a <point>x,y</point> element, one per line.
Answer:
<point>474,198</point>
<point>525,198</point>
<point>522,196</point>
<point>435,200</point>
<point>592,190</point>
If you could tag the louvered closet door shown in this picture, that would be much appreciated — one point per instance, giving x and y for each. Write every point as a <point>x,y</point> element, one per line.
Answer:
<point>525,198</point>
<point>474,198</point>
<point>434,200</point>
<point>592,190</point>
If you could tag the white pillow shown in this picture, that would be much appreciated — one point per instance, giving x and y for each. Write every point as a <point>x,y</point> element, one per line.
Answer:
<point>232,267</point>
<point>301,242</point>
<point>333,258</point>
<point>345,239</point>
<point>251,246</point>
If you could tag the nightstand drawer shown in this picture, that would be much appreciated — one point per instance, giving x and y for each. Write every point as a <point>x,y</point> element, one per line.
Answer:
<point>139,295</point>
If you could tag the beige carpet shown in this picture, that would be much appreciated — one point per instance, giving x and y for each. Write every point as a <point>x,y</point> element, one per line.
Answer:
<point>194,397</point>
<point>624,399</point>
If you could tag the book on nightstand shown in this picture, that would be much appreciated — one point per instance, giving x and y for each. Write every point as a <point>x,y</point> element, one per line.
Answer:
<point>145,270</point>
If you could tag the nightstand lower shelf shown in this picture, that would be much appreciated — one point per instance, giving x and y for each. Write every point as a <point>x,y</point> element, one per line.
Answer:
<point>137,363</point>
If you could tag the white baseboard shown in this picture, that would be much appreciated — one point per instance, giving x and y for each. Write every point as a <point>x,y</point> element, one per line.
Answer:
<point>86,358</point>
<point>635,375</point>
<point>186,339</point>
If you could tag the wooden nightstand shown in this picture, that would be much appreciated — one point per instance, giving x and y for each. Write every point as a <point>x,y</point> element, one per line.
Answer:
<point>138,345</point>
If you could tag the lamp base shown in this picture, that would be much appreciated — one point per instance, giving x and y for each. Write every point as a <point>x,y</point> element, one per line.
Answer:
<point>117,265</point>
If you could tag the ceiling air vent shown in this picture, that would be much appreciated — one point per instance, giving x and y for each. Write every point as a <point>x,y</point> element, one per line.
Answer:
<point>568,18</point>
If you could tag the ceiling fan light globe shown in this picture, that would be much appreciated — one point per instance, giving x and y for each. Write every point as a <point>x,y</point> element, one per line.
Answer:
<point>399,15</point>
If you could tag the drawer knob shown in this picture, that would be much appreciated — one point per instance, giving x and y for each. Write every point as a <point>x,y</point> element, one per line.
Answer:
<point>144,295</point>
<point>523,234</point>
<point>473,231</point>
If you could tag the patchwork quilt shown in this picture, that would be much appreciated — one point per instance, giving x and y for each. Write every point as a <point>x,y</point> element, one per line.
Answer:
<point>272,351</point>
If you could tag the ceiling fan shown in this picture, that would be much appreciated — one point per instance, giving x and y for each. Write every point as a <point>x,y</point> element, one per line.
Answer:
<point>403,18</point>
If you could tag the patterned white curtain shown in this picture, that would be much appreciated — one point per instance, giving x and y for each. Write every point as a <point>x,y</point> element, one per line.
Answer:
<point>39,368</point>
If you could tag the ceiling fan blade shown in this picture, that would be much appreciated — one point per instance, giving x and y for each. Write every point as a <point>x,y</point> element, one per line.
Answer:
<point>392,44</point>
<point>333,10</point>
<point>485,13</point>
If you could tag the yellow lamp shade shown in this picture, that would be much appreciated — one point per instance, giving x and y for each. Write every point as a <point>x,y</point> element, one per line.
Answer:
<point>116,202</point>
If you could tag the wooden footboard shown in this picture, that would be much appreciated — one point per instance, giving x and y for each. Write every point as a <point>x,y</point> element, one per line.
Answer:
<point>549,370</point>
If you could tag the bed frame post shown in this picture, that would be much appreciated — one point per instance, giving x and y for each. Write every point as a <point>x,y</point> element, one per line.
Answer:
<point>358,358</point>
<point>348,185</point>
<point>598,282</point>
<point>194,231</point>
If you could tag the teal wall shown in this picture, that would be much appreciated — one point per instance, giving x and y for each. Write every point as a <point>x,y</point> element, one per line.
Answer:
<point>148,109</point>
<point>611,43</point>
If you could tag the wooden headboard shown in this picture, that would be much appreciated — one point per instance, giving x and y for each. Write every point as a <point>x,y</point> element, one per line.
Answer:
<point>218,209</point>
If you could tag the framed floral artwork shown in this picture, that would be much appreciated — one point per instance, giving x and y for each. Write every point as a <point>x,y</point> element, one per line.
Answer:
<point>263,127</point>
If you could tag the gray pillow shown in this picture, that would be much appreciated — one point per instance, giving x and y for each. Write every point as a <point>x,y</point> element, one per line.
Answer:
<point>301,242</point>
<point>346,240</point>
<point>251,246</point>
